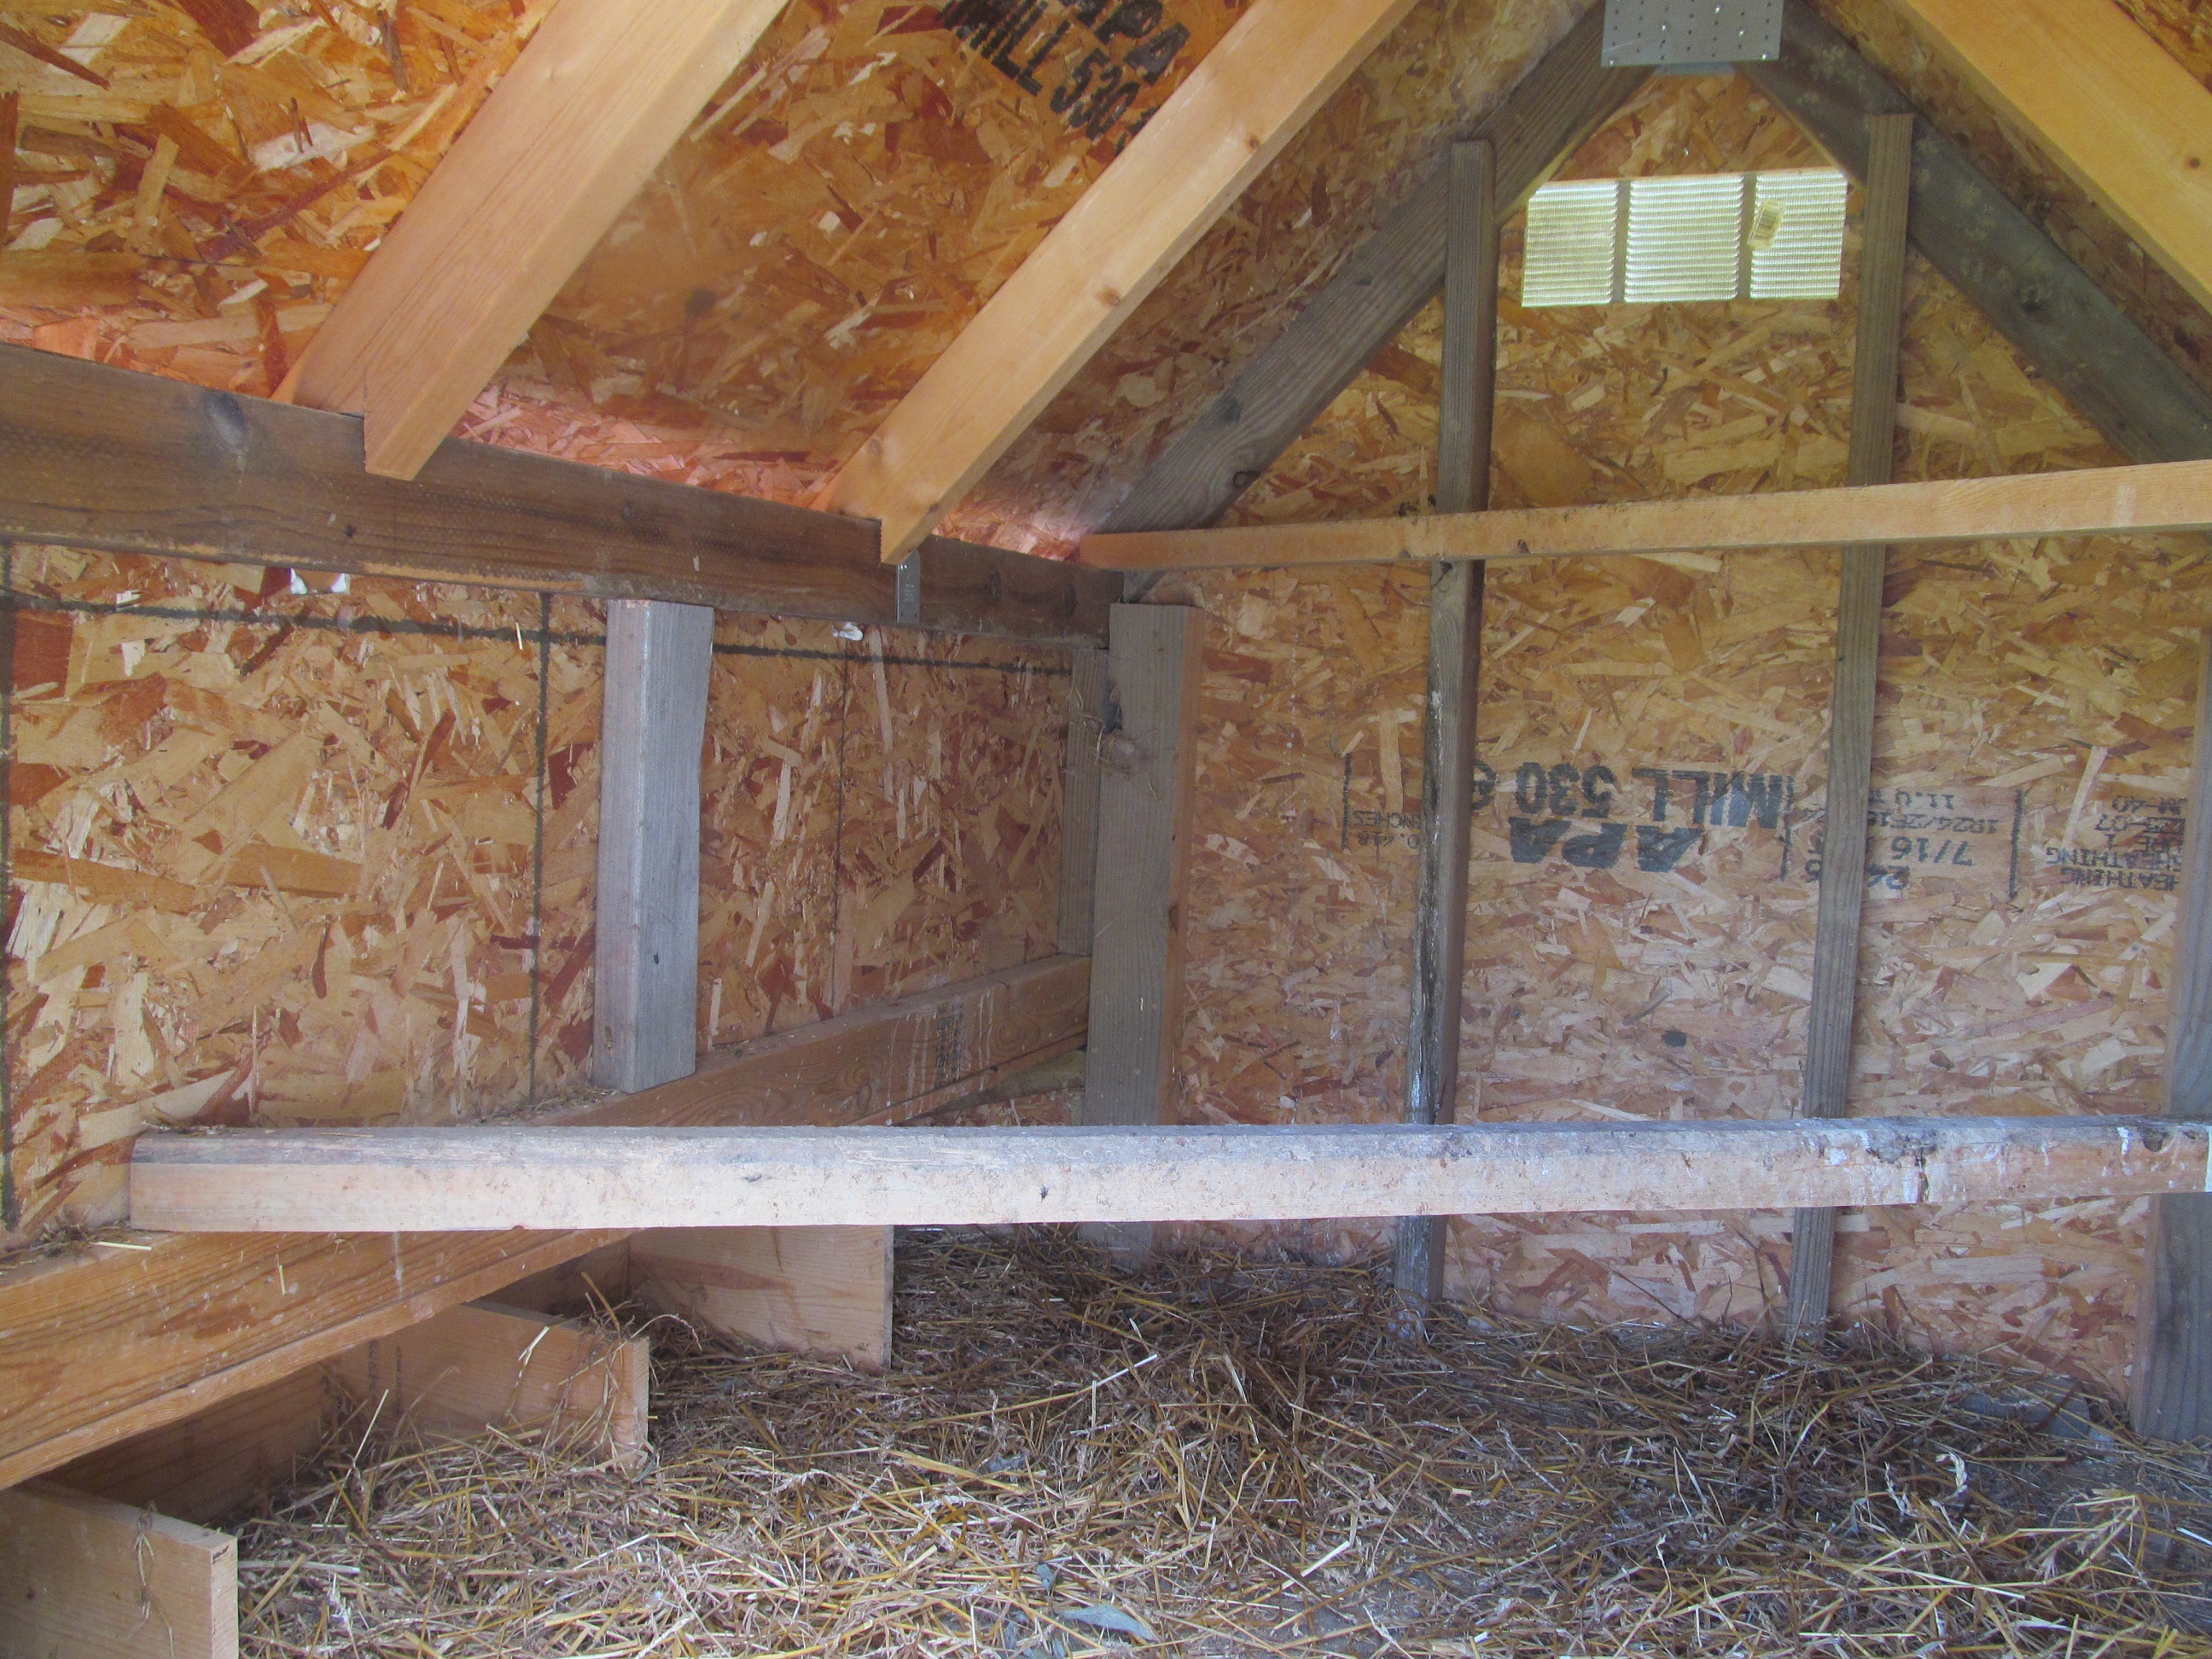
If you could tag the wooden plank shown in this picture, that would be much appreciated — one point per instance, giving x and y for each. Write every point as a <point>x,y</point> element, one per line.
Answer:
<point>1447,728</point>
<point>2111,372</point>
<point>2171,1388</point>
<point>2113,109</point>
<point>1560,103</point>
<point>1148,759</point>
<point>822,1291</point>
<point>83,1578</point>
<point>969,589</point>
<point>92,1348</point>
<point>209,1466</point>
<point>596,100</point>
<point>1078,798</point>
<point>881,1065</point>
<point>645,965</point>
<point>1228,119</point>
<point>96,457</point>
<point>93,1355</point>
<point>505,1175</point>
<point>1851,704</point>
<point>485,1365</point>
<point>2094,501</point>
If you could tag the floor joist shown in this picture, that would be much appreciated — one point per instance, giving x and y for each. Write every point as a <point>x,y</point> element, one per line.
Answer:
<point>410,1180</point>
<point>2175,496</point>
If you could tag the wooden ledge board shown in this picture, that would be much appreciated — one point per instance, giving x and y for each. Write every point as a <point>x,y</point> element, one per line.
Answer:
<point>410,1180</point>
<point>96,457</point>
<point>2172,496</point>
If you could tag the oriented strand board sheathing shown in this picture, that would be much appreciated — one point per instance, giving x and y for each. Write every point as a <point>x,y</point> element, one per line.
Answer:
<point>193,198</point>
<point>948,856</point>
<point>283,857</point>
<point>1298,915</point>
<point>272,857</point>
<point>846,205</point>
<point>1628,403</point>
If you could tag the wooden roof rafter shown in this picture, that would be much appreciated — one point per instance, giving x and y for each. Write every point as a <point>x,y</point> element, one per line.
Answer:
<point>599,96</point>
<point>1249,97</point>
<point>2114,110</point>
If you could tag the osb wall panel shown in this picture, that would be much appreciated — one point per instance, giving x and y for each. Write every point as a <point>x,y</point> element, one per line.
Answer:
<point>1606,402</point>
<point>272,857</point>
<point>279,857</point>
<point>1649,800</point>
<point>1296,925</point>
<point>881,815</point>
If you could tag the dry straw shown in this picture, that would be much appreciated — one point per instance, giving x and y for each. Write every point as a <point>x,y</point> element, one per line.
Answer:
<point>1220,1457</point>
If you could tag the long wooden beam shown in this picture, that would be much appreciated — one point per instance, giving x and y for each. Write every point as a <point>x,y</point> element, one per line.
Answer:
<point>1391,275</point>
<point>572,130</point>
<point>1249,97</point>
<point>124,1336</point>
<point>2111,372</point>
<point>2115,111</point>
<point>2175,496</point>
<point>107,458</point>
<point>418,1180</point>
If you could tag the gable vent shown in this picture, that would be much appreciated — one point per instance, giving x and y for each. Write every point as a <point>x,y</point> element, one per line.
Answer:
<point>1714,236</point>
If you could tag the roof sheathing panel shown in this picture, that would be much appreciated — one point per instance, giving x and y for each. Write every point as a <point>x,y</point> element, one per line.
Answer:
<point>863,184</point>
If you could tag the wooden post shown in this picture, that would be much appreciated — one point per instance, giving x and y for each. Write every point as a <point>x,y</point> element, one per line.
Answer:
<point>646,988</point>
<point>1079,798</point>
<point>2171,1396</point>
<point>824,1290</point>
<point>1850,718</point>
<point>1147,758</point>
<point>83,1578</point>
<point>1448,730</point>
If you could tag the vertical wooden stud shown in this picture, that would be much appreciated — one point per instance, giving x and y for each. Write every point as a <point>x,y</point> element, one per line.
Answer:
<point>1851,720</point>
<point>2170,1392</point>
<point>1079,798</point>
<point>646,964</point>
<point>1147,758</point>
<point>84,1579</point>
<point>1448,730</point>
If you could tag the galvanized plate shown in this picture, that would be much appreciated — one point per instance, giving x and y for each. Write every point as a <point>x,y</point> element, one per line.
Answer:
<point>1682,32</point>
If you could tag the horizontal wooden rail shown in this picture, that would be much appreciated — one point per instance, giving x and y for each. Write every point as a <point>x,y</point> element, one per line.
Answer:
<point>103,457</point>
<point>118,1337</point>
<point>410,1180</point>
<point>2172,496</point>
